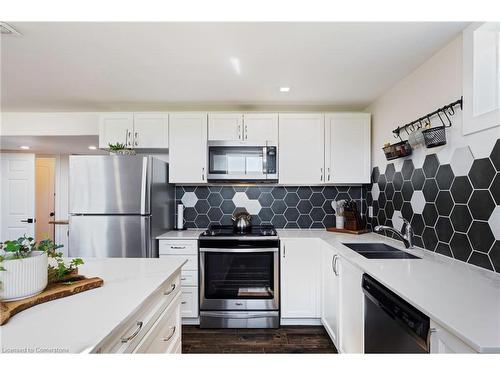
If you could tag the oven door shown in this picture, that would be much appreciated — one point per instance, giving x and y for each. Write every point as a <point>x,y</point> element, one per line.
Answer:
<point>239,278</point>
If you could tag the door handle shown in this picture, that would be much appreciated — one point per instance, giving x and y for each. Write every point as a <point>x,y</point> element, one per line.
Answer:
<point>136,137</point>
<point>203,174</point>
<point>52,214</point>
<point>246,132</point>
<point>321,170</point>
<point>169,292</point>
<point>29,221</point>
<point>328,173</point>
<point>171,334</point>
<point>133,335</point>
<point>129,135</point>
<point>284,251</point>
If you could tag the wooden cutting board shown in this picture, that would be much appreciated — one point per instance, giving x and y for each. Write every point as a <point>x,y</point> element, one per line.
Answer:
<point>361,231</point>
<point>52,292</point>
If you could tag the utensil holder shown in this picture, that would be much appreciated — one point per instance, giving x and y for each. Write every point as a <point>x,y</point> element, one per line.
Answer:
<point>397,150</point>
<point>434,137</point>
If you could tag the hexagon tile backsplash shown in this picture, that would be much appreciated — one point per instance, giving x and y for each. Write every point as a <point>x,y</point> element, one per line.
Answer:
<point>453,208</point>
<point>284,207</point>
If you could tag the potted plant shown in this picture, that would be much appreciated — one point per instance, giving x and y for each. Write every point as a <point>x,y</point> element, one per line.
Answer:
<point>120,149</point>
<point>23,269</point>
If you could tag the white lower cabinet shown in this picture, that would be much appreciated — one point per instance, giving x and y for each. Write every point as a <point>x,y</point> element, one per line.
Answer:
<point>300,279</point>
<point>154,327</point>
<point>351,306</point>
<point>444,342</point>
<point>331,290</point>
<point>188,250</point>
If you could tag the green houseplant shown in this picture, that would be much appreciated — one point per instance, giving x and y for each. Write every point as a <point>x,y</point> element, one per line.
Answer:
<point>25,270</point>
<point>120,149</point>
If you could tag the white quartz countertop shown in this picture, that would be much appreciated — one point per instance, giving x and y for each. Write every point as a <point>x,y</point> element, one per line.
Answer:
<point>188,234</point>
<point>463,298</point>
<point>77,323</point>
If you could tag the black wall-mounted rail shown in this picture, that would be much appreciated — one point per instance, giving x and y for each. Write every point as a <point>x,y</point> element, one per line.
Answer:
<point>448,111</point>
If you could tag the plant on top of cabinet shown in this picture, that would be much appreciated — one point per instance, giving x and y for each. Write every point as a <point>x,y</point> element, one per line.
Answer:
<point>120,149</point>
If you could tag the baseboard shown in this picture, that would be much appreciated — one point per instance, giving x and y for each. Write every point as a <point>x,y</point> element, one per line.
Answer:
<point>191,321</point>
<point>301,322</point>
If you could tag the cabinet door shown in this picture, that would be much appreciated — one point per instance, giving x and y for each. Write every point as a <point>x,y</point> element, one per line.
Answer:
<point>150,130</point>
<point>225,127</point>
<point>261,127</point>
<point>301,149</point>
<point>330,298</point>
<point>300,278</point>
<point>188,148</point>
<point>443,342</point>
<point>351,332</point>
<point>348,148</point>
<point>116,128</point>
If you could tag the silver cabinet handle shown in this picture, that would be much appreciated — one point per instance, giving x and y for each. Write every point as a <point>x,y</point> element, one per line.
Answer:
<point>129,135</point>
<point>177,247</point>
<point>203,174</point>
<point>183,302</point>
<point>136,137</point>
<point>133,335</point>
<point>328,173</point>
<point>126,136</point>
<point>284,251</point>
<point>246,131</point>
<point>169,292</point>
<point>169,336</point>
<point>321,170</point>
<point>335,264</point>
<point>183,279</point>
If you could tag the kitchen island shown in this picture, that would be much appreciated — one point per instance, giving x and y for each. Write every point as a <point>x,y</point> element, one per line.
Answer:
<point>136,295</point>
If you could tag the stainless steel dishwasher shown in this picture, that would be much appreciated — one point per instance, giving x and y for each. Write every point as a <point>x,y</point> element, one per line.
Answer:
<point>392,325</point>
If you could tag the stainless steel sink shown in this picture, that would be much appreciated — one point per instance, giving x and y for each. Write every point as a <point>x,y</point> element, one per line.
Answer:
<point>378,250</point>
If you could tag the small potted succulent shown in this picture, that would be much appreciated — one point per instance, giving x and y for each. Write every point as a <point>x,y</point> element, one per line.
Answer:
<point>23,269</point>
<point>120,149</point>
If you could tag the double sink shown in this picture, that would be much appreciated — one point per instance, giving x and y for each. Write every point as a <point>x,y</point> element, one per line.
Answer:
<point>379,250</point>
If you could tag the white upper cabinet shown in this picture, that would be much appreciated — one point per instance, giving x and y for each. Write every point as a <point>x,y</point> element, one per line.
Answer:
<point>188,147</point>
<point>481,76</point>
<point>347,148</point>
<point>300,278</point>
<point>225,127</point>
<point>150,130</point>
<point>116,128</point>
<point>135,130</point>
<point>301,148</point>
<point>260,127</point>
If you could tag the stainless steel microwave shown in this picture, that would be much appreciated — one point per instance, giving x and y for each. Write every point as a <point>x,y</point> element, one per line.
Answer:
<point>242,161</point>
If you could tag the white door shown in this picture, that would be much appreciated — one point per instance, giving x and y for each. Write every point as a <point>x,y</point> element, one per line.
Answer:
<point>348,148</point>
<point>351,332</point>
<point>443,342</point>
<point>188,148</point>
<point>150,130</point>
<point>116,128</point>
<point>18,196</point>
<point>225,127</point>
<point>300,278</point>
<point>261,127</point>
<point>301,148</point>
<point>45,197</point>
<point>330,306</point>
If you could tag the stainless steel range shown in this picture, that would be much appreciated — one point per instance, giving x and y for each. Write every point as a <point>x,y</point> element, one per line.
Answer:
<point>239,278</point>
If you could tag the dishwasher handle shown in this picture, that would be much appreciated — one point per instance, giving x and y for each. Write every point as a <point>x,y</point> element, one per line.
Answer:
<point>408,317</point>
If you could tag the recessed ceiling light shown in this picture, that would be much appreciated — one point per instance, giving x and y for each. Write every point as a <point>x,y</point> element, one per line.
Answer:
<point>284,89</point>
<point>92,148</point>
<point>24,147</point>
<point>236,64</point>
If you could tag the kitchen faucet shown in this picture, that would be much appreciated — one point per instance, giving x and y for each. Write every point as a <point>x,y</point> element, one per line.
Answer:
<point>406,234</point>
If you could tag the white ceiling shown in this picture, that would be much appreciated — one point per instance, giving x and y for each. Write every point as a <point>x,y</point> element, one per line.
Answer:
<point>153,66</point>
<point>49,145</point>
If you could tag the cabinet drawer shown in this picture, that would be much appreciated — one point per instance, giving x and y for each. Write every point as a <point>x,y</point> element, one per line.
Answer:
<point>178,247</point>
<point>189,302</point>
<point>128,334</point>
<point>191,264</point>
<point>189,278</point>
<point>177,347</point>
<point>165,333</point>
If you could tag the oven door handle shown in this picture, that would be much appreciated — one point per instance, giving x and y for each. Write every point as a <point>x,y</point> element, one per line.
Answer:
<point>245,250</point>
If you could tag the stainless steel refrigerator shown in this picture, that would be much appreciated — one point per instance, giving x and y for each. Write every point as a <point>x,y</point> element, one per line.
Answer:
<point>118,205</point>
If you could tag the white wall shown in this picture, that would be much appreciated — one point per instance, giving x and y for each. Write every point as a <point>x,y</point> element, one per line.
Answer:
<point>435,83</point>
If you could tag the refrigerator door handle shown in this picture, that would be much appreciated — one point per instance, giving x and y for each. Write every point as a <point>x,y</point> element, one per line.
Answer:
<point>146,237</point>
<point>144,192</point>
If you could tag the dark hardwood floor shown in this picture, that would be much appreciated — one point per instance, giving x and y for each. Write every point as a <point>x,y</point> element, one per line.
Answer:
<point>290,339</point>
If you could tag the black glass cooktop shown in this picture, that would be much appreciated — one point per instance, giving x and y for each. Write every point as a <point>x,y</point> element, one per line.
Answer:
<point>230,231</point>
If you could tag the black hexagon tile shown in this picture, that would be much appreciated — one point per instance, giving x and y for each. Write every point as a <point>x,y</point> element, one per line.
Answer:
<point>444,177</point>
<point>482,173</point>
<point>407,169</point>
<point>495,155</point>
<point>461,218</point>
<point>460,246</point>
<point>481,204</point>
<point>418,179</point>
<point>461,189</point>
<point>480,236</point>
<point>431,165</point>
